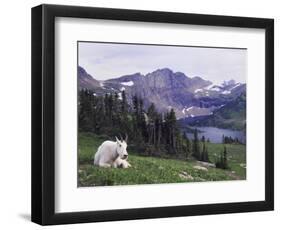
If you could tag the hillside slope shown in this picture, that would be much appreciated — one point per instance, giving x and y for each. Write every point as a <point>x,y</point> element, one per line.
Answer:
<point>151,170</point>
<point>232,116</point>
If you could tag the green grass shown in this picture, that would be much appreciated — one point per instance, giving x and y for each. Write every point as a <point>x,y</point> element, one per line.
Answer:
<point>151,170</point>
<point>236,157</point>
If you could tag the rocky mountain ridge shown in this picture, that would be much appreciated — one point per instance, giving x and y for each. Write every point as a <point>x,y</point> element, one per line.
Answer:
<point>188,96</point>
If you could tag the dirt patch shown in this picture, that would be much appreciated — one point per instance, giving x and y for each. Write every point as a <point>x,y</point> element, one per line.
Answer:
<point>198,167</point>
<point>185,175</point>
<point>206,164</point>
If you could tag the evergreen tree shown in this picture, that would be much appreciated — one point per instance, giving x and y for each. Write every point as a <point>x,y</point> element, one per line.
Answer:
<point>142,122</point>
<point>124,103</point>
<point>195,146</point>
<point>85,116</point>
<point>151,117</point>
<point>136,119</point>
<point>171,131</point>
<point>159,127</point>
<point>100,114</point>
<point>136,105</point>
<point>187,145</point>
<point>204,154</point>
<point>225,163</point>
<point>203,138</point>
<point>222,161</point>
<point>125,123</point>
<point>173,121</point>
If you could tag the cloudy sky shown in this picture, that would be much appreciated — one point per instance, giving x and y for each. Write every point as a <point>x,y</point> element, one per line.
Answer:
<point>107,60</point>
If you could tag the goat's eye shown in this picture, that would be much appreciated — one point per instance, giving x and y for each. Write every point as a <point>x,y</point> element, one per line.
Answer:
<point>119,145</point>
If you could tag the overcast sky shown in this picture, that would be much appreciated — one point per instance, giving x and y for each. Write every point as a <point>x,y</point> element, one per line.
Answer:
<point>107,60</point>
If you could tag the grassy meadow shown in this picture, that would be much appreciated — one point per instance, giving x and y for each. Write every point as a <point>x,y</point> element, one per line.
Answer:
<point>152,170</point>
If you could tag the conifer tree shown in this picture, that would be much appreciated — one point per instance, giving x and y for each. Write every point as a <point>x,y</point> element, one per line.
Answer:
<point>151,120</point>
<point>222,161</point>
<point>203,138</point>
<point>173,121</point>
<point>195,146</point>
<point>187,145</point>
<point>204,154</point>
<point>159,127</point>
<point>225,163</point>
<point>124,103</point>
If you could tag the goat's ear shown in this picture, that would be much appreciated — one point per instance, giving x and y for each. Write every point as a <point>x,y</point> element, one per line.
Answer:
<point>117,139</point>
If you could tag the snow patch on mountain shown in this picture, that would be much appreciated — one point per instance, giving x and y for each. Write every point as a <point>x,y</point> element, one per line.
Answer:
<point>238,84</point>
<point>226,92</point>
<point>216,88</point>
<point>228,83</point>
<point>102,85</point>
<point>223,89</point>
<point>198,90</point>
<point>194,111</point>
<point>127,83</point>
<point>210,87</point>
<point>190,108</point>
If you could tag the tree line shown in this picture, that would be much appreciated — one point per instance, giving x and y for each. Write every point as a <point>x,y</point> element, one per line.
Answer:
<point>150,132</point>
<point>230,140</point>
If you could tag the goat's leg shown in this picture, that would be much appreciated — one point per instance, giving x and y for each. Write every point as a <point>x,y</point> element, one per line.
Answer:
<point>105,165</point>
<point>115,164</point>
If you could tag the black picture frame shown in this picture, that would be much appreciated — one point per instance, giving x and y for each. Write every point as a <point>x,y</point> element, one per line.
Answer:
<point>43,113</point>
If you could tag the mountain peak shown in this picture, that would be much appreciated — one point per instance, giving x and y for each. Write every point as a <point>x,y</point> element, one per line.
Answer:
<point>166,89</point>
<point>197,78</point>
<point>229,82</point>
<point>81,70</point>
<point>163,71</point>
<point>86,80</point>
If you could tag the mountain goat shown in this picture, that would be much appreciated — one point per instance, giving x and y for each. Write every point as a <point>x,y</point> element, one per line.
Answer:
<point>112,154</point>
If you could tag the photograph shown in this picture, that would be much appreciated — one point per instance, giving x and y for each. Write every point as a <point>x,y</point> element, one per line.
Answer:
<point>160,113</point>
<point>175,108</point>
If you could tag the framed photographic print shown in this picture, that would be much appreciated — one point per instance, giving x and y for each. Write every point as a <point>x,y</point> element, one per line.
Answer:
<point>142,114</point>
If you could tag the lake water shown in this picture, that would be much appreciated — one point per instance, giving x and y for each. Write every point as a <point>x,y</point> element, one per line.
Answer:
<point>215,134</point>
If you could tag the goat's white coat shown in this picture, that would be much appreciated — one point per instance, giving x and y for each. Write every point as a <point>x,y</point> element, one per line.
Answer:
<point>120,163</point>
<point>111,154</point>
